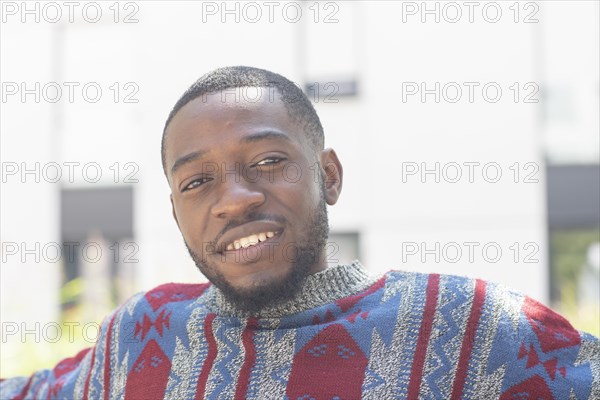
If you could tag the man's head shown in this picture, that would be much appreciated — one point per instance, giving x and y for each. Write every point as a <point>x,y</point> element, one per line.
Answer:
<point>231,80</point>
<point>243,153</point>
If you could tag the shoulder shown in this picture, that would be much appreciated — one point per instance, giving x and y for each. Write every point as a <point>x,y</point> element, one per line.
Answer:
<point>442,287</point>
<point>163,305</point>
<point>165,295</point>
<point>508,316</point>
<point>488,300</point>
<point>507,337</point>
<point>174,293</point>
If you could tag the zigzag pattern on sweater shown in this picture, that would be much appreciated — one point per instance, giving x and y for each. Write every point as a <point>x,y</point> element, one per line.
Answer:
<point>405,335</point>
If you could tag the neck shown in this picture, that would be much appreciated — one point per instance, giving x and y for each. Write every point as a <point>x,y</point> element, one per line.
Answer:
<point>325,286</point>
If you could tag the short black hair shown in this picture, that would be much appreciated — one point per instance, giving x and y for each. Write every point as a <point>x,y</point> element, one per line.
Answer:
<point>295,100</point>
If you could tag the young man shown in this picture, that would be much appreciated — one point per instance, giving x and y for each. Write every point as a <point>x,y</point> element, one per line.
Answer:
<point>250,179</point>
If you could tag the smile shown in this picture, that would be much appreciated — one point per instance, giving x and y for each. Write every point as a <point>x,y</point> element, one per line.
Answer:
<point>250,240</point>
<point>248,235</point>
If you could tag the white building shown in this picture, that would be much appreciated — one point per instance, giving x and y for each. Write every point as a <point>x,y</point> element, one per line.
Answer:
<point>434,109</point>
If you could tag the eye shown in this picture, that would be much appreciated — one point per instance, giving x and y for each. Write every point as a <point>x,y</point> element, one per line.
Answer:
<point>195,183</point>
<point>269,161</point>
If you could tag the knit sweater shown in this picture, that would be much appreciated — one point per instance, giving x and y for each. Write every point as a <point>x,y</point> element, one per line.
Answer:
<point>345,335</point>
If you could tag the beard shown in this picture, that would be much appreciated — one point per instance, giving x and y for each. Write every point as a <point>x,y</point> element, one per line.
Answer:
<point>309,249</point>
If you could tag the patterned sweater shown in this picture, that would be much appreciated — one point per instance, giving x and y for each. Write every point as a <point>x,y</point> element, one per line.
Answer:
<point>345,336</point>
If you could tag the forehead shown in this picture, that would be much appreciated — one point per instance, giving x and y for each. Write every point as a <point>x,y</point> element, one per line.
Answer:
<point>221,118</point>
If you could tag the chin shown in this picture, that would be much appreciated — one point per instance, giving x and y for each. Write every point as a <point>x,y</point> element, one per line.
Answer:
<point>253,286</point>
<point>271,275</point>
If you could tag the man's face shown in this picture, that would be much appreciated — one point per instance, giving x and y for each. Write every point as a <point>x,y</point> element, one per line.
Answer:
<point>249,194</point>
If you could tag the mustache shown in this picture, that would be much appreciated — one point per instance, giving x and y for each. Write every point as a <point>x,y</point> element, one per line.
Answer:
<point>251,217</point>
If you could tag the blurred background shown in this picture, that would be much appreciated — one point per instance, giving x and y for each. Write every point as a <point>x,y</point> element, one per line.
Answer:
<point>468,132</point>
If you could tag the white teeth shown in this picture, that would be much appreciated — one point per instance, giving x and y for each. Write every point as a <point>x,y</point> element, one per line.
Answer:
<point>249,240</point>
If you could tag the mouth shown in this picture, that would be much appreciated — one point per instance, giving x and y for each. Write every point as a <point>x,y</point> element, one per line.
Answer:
<point>247,241</point>
<point>249,235</point>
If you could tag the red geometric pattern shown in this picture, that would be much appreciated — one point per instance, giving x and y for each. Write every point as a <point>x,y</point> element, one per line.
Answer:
<point>69,364</point>
<point>149,375</point>
<point>163,319</point>
<point>552,330</point>
<point>550,367</point>
<point>530,361</point>
<point>352,317</point>
<point>56,388</point>
<point>522,351</point>
<point>534,388</point>
<point>329,317</point>
<point>172,292</point>
<point>533,359</point>
<point>331,364</point>
<point>62,368</point>
<point>348,302</point>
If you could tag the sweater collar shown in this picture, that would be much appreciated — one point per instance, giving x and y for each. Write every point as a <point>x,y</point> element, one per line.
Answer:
<point>318,289</point>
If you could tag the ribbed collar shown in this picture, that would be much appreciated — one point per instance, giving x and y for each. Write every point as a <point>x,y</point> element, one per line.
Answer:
<point>321,288</point>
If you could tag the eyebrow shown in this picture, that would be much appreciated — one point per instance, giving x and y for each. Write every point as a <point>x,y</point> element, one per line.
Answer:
<point>262,135</point>
<point>188,158</point>
<point>253,137</point>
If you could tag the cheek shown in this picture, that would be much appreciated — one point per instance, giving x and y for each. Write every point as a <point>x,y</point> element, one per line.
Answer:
<point>190,221</point>
<point>300,193</point>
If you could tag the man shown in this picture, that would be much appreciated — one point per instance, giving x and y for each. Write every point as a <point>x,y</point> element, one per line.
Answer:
<point>250,179</point>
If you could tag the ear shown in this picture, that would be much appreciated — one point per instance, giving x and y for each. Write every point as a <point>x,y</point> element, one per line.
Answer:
<point>173,210</point>
<point>333,174</point>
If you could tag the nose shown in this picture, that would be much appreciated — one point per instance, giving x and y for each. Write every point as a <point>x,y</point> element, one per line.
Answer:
<point>237,199</point>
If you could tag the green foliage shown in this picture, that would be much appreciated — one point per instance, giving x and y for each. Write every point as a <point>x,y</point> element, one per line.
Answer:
<point>569,250</point>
